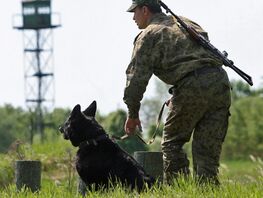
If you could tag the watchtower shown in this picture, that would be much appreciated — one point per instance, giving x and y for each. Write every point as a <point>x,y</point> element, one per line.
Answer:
<point>37,23</point>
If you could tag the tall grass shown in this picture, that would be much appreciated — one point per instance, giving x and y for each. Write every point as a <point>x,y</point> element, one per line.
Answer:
<point>180,188</point>
<point>59,178</point>
<point>57,161</point>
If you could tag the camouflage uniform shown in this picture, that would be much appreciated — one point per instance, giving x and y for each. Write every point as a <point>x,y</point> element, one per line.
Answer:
<point>201,94</point>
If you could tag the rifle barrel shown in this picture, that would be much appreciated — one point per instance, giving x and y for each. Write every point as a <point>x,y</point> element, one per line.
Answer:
<point>206,44</point>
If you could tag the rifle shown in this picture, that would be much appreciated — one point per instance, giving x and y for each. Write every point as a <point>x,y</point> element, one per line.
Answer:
<point>206,44</point>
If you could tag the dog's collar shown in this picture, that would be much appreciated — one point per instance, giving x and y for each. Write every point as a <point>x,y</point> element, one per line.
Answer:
<point>94,141</point>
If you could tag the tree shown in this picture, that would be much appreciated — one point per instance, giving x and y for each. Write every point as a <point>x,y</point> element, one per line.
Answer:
<point>151,107</point>
<point>13,125</point>
<point>245,135</point>
<point>52,121</point>
<point>240,89</point>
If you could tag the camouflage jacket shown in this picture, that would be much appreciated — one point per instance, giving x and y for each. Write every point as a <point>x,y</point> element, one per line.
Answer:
<point>164,49</point>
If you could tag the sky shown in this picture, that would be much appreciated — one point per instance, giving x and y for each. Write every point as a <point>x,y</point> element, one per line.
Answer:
<point>93,47</point>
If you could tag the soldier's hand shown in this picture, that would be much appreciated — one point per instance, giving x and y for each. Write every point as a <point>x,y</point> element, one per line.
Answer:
<point>131,124</point>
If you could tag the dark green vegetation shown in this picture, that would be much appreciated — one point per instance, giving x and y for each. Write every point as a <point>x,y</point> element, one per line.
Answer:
<point>59,178</point>
<point>241,169</point>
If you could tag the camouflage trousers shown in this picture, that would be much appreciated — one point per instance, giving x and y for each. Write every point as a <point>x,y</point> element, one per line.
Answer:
<point>199,107</point>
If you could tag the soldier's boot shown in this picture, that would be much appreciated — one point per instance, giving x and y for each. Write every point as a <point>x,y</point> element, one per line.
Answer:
<point>175,163</point>
<point>205,179</point>
<point>171,176</point>
<point>205,168</point>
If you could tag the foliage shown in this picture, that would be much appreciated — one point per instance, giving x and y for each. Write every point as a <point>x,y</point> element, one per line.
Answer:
<point>245,124</point>
<point>16,124</point>
<point>17,151</point>
<point>153,128</point>
<point>19,120</point>
<point>180,188</point>
<point>241,89</point>
<point>52,122</point>
<point>245,135</point>
<point>156,145</point>
<point>239,178</point>
<point>149,111</point>
<point>59,178</point>
<point>57,159</point>
<point>6,170</point>
<point>150,107</point>
<point>13,125</point>
<point>114,125</point>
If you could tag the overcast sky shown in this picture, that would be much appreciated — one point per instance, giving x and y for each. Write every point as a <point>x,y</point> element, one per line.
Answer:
<point>93,47</point>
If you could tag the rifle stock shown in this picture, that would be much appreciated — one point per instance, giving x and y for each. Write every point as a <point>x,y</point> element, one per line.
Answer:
<point>206,44</point>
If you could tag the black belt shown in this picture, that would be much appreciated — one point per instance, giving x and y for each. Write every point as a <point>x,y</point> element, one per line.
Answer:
<point>200,71</point>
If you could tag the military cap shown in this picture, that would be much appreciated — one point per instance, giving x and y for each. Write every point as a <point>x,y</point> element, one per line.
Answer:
<point>136,3</point>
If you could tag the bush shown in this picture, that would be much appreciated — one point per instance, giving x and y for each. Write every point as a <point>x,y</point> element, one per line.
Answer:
<point>6,170</point>
<point>245,135</point>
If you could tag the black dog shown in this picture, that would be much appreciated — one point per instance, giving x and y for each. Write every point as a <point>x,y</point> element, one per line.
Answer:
<point>100,161</point>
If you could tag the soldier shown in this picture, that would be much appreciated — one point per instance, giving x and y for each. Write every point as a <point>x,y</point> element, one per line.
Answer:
<point>200,91</point>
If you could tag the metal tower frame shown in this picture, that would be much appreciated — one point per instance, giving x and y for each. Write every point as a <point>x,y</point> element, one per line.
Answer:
<point>38,60</point>
<point>39,73</point>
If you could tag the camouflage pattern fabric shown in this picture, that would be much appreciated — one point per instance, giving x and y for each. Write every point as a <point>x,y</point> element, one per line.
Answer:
<point>165,50</point>
<point>200,103</point>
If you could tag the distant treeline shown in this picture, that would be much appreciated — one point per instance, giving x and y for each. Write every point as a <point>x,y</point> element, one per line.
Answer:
<point>244,138</point>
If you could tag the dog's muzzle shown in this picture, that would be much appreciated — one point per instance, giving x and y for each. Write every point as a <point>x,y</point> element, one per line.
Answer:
<point>65,135</point>
<point>61,129</point>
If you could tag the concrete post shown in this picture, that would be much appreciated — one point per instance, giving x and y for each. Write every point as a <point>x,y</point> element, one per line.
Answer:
<point>152,162</point>
<point>28,175</point>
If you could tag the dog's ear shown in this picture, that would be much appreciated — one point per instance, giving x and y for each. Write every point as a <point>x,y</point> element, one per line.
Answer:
<point>76,110</point>
<point>91,110</point>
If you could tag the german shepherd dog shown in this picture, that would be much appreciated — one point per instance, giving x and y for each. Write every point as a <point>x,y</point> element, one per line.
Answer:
<point>100,162</point>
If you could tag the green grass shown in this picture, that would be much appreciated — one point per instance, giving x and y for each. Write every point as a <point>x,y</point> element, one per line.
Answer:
<point>59,178</point>
<point>242,171</point>
<point>180,189</point>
